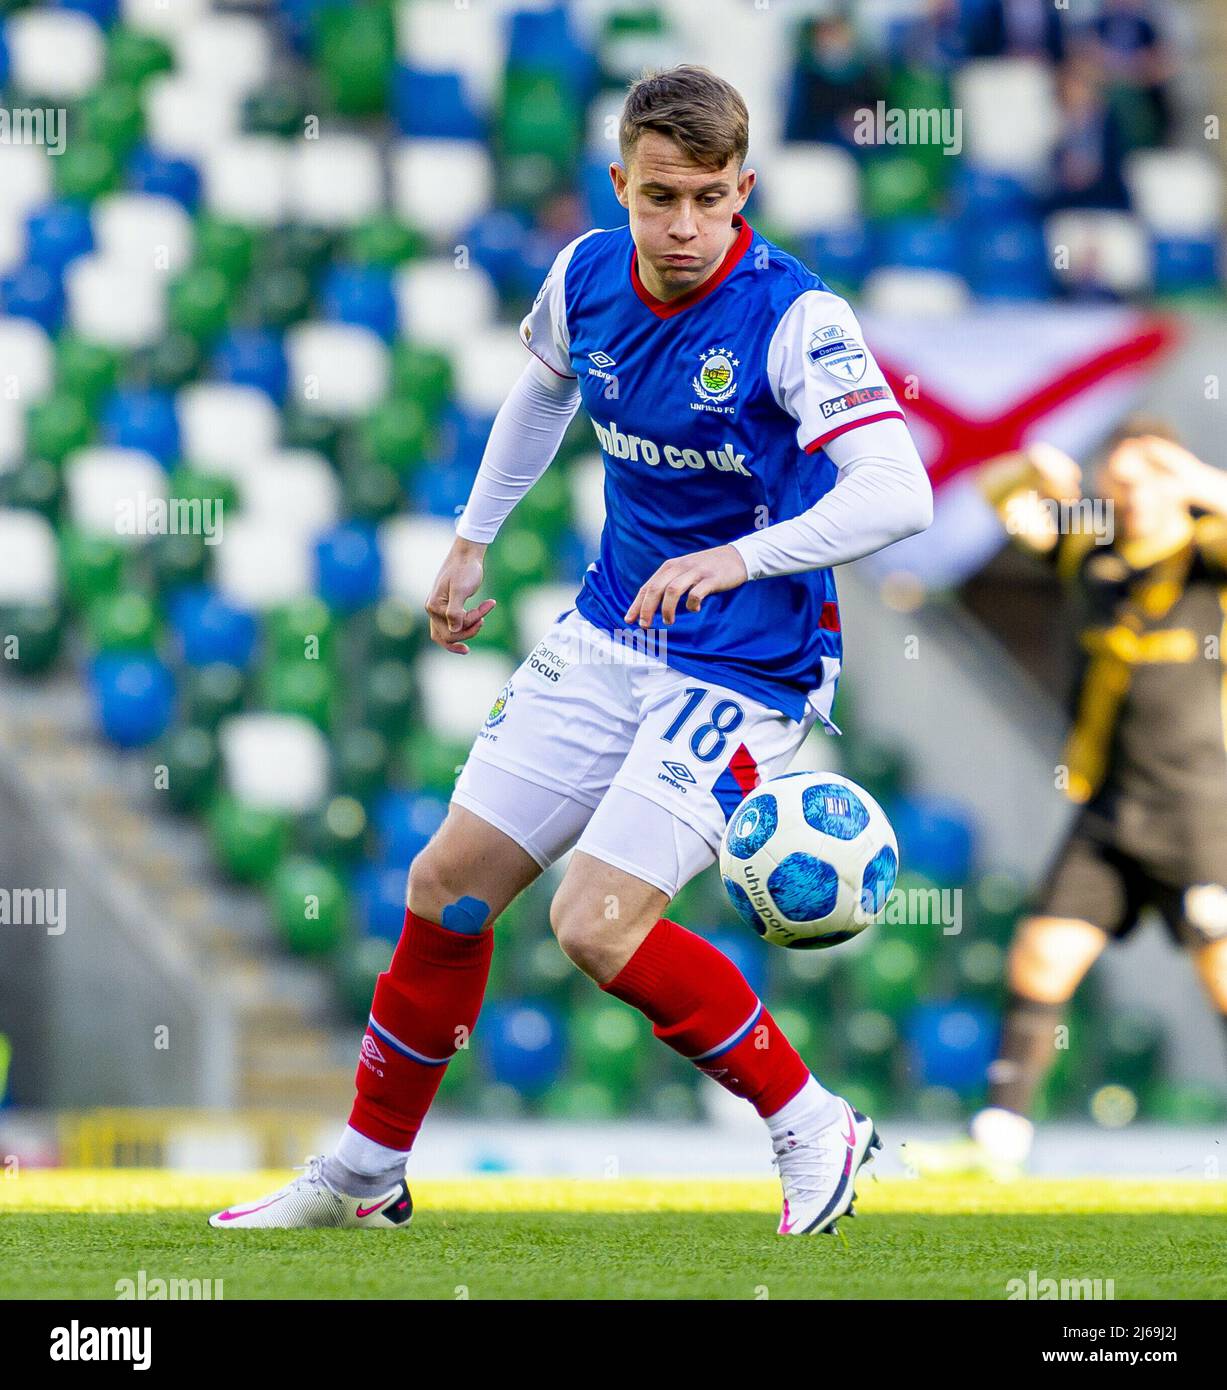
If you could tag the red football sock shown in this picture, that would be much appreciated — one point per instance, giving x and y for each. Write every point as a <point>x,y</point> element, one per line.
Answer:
<point>425,1006</point>
<point>701,1005</point>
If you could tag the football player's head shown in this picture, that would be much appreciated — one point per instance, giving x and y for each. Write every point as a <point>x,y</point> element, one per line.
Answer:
<point>1144,496</point>
<point>683,139</point>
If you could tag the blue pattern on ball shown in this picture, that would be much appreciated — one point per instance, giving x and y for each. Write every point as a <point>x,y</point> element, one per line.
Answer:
<point>803,887</point>
<point>745,908</point>
<point>878,880</point>
<point>834,810</point>
<point>755,824</point>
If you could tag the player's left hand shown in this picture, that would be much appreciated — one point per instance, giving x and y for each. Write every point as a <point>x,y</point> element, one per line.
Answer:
<point>696,575</point>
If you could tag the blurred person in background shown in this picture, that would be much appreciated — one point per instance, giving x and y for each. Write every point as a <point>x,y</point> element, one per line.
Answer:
<point>1088,158</point>
<point>1016,29</point>
<point>1126,40</point>
<point>1146,758</point>
<point>833,79</point>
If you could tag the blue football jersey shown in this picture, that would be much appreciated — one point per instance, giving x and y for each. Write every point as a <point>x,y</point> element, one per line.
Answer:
<point>711,411</point>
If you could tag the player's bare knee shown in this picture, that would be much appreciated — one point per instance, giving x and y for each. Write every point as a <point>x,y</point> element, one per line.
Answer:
<point>1050,957</point>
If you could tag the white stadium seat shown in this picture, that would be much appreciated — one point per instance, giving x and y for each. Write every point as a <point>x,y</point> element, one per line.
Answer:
<point>188,119</point>
<point>336,181</point>
<point>12,236</point>
<point>1010,114</point>
<point>440,305</point>
<point>110,491</point>
<point>54,53</point>
<point>27,361</point>
<point>25,178</point>
<point>903,290</point>
<point>1106,249</point>
<point>110,302</point>
<point>588,497</point>
<point>457,695</point>
<point>486,366</point>
<point>809,187</point>
<point>247,179</point>
<point>1177,193</point>
<point>538,609</point>
<point>227,428</point>
<point>274,762</point>
<point>262,564</point>
<point>29,558</point>
<point>441,36</point>
<point>159,17</point>
<point>336,369</point>
<point>420,169</point>
<point>12,434</point>
<point>231,52</point>
<point>149,233</point>
<point>294,487</point>
<point>411,549</point>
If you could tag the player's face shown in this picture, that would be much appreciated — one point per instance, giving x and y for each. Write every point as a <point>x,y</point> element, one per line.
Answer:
<point>681,214</point>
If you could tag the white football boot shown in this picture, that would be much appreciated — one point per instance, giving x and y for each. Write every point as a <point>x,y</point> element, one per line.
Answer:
<point>309,1202</point>
<point>818,1171</point>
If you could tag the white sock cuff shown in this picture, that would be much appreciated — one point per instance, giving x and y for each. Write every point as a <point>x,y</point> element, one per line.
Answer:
<point>812,1107</point>
<point>364,1156</point>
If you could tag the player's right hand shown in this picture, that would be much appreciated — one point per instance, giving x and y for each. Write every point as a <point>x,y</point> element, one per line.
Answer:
<point>1059,476</point>
<point>451,625</point>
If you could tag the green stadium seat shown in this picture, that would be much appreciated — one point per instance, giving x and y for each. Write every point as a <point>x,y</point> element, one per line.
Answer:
<point>310,905</point>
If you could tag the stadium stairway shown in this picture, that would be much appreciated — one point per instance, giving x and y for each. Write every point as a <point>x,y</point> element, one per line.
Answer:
<point>188,951</point>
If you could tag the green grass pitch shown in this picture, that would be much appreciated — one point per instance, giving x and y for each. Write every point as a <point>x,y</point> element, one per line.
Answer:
<point>75,1234</point>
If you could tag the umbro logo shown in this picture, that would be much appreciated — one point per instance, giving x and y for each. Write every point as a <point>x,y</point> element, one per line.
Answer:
<point>680,771</point>
<point>370,1049</point>
<point>601,359</point>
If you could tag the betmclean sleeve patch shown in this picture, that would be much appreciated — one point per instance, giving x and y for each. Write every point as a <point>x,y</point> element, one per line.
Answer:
<point>822,373</point>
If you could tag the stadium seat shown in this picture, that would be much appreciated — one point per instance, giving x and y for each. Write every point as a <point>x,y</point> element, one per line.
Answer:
<point>247,179</point>
<point>810,188</point>
<point>335,181</point>
<point>133,697</point>
<point>339,370</point>
<point>432,36</point>
<point>109,490</point>
<point>209,630</point>
<point>226,428</point>
<point>25,178</point>
<point>57,233</point>
<point>56,54</point>
<point>224,52</point>
<point>29,562</point>
<point>150,233</point>
<point>1010,115</point>
<point>412,548</point>
<point>434,105</point>
<point>293,487</point>
<point>901,291</point>
<point>28,360</point>
<point>112,303</point>
<point>1176,193</point>
<point>419,168</point>
<point>1100,253</point>
<point>274,762</point>
<point>440,306</point>
<point>487,366</point>
<point>187,119</point>
<point>262,564</point>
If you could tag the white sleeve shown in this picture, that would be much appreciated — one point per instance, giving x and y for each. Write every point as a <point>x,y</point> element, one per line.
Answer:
<point>544,329</point>
<point>882,494</point>
<point>821,372</point>
<point>523,440</point>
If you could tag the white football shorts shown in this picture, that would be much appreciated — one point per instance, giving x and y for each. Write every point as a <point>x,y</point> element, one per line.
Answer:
<point>601,746</point>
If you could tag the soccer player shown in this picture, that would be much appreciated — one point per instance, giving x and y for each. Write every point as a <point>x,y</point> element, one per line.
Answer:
<point>1146,758</point>
<point>750,443</point>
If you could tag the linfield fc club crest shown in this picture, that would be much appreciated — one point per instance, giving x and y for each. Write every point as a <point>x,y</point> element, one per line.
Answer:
<point>838,354</point>
<point>716,381</point>
<point>498,710</point>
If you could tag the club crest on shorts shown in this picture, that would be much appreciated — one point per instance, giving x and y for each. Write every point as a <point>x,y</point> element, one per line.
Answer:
<point>838,354</point>
<point>498,710</point>
<point>715,380</point>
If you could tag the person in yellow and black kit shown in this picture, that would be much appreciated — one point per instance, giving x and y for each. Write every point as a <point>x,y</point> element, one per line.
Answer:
<point>1146,756</point>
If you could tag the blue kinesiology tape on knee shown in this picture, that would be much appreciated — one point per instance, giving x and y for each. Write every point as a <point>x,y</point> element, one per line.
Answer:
<point>467,915</point>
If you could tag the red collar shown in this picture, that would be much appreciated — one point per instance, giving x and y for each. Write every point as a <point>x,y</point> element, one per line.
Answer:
<point>666,308</point>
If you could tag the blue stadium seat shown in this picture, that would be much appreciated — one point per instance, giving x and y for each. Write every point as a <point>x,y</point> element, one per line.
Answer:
<point>361,294</point>
<point>31,292</point>
<point>434,105</point>
<point>1009,260</point>
<point>403,822</point>
<point>1182,263</point>
<point>349,572</point>
<point>952,1043</point>
<point>150,171</point>
<point>935,837</point>
<point>522,1044</point>
<point>841,254</point>
<point>133,698</point>
<point>209,628</point>
<point>143,419</point>
<point>602,205</point>
<point>921,243</point>
<point>56,232</point>
<point>253,357</point>
<point>379,899</point>
<point>496,242</point>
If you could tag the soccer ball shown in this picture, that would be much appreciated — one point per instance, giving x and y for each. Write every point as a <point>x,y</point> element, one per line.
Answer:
<point>807,859</point>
